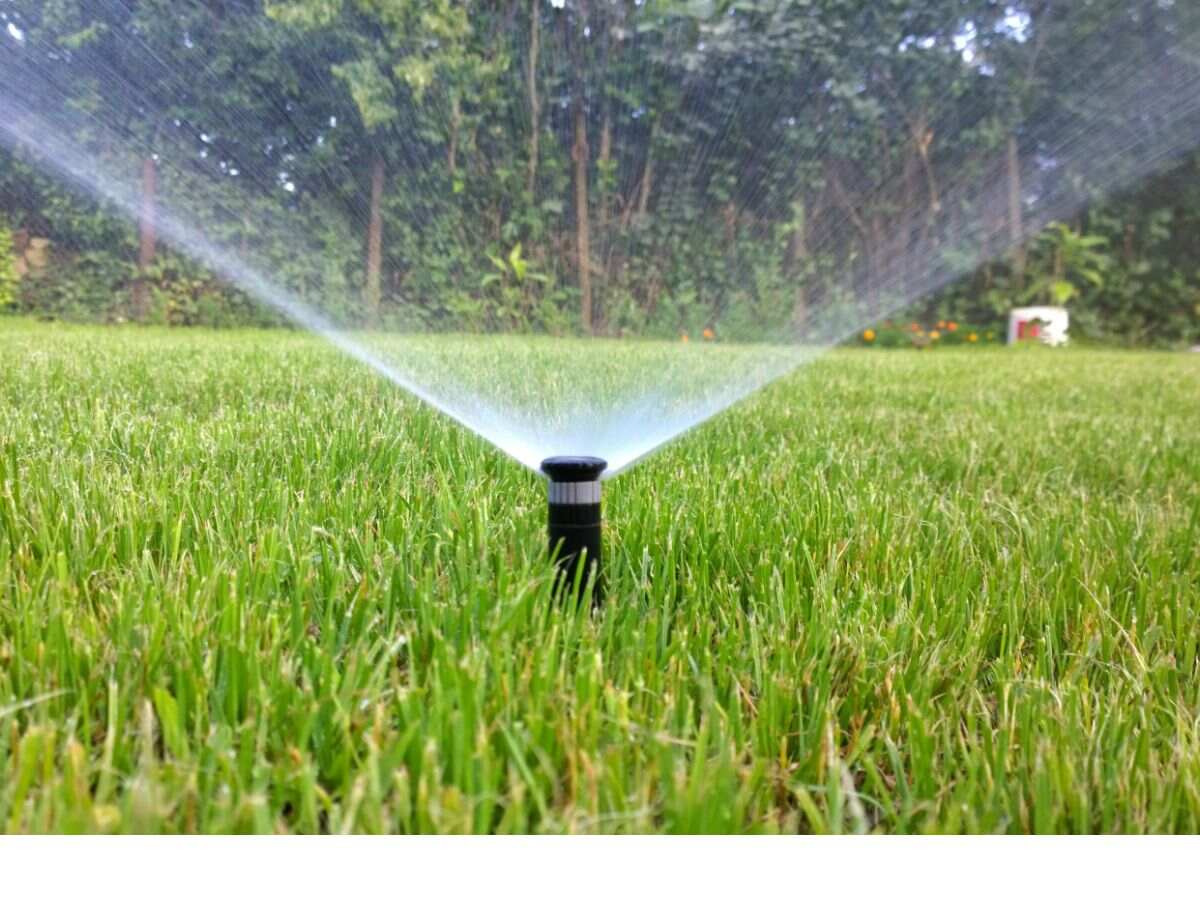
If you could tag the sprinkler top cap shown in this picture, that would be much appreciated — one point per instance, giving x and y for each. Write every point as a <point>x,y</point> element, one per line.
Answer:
<point>574,468</point>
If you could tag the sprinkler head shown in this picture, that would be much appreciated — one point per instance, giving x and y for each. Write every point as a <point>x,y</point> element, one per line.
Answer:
<point>574,521</point>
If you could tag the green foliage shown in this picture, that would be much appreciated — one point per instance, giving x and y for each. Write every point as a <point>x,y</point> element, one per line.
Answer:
<point>1065,263</point>
<point>88,286</point>
<point>707,205</point>
<point>1130,268</point>
<point>952,597</point>
<point>371,89</point>
<point>184,293</point>
<point>8,269</point>
<point>514,296</point>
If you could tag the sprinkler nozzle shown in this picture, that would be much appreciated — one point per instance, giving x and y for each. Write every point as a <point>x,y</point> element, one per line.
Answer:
<point>574,521</point>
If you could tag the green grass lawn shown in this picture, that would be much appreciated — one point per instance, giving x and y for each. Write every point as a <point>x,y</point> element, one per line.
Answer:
<point>247,586</point>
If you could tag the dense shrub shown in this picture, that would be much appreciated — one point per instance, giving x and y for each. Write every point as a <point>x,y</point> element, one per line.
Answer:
<point>8,269</point>
<point>1132,264</point>
<point>704,205</point>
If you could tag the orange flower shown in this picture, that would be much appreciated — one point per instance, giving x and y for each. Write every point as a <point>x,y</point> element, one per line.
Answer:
<point>972,337</point>
<point>684,338</point>
<point>934,335</point>
<point>941,323</point>
<point>915,326</point>
<point>709,334</point>
<point>869,335</point>
<point>952,326</point>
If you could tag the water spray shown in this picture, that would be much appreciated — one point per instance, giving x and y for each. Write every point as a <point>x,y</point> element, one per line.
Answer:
<point>1131,107</point>
<point>575,522</point>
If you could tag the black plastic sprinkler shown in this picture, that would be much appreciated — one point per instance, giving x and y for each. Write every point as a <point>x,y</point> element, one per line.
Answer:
<point>575,521</point>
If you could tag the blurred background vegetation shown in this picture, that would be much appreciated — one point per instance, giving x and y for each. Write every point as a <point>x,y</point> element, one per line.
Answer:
<point>453,173</point>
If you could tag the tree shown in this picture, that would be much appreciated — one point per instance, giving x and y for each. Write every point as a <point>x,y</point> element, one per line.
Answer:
<point>768,166</point>
<point>415,80</point>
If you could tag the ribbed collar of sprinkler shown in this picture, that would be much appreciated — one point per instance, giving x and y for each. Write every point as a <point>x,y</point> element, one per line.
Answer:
<point>575,522</point>
<point>573,468</point>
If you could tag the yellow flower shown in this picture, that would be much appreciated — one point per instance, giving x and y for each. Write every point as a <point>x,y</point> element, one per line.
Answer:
<point>869,335</point>
<point>972,337</point>
<point>934,335</point>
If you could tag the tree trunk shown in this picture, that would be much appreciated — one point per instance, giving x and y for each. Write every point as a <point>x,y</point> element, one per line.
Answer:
<point>903,253</point>
<point>244,238</point>
<point>583,249</point>
<point>797,259</point>
<point>148,238</point>
<point>375,240</point>
<point>1016,223</point>
<point>647,177</point>
<point>603,210</point>
<point>455,125</point>
<point>924,140</point>
<point>729,221</point>
<point>875,276</point>
<point>604,159</point>
<point>535,104</point>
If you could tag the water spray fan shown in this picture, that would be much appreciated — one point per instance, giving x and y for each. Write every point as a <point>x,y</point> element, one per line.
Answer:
<point>574,522</point>
<point>776,178</point>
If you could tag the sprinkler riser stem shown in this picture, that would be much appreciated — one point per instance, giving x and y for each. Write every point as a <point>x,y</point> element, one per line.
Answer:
<point>575,523</point>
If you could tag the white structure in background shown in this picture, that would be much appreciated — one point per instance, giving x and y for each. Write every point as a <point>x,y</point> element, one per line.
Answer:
<point>1047,324</point>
